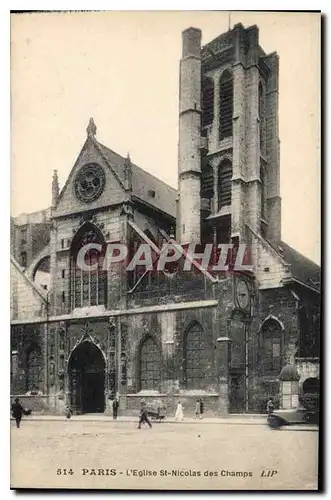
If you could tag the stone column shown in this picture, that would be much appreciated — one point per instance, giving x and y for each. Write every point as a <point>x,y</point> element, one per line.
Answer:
<point>52,298</point>
<point>189,154</point>
<point>239,136</point>
<point>273,149</point>
<point>111,363</point>
<point>253,188</point>
<point>222,347</point>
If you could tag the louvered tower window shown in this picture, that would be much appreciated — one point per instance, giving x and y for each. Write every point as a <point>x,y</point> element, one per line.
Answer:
<point>207,102</point>
<point>262,113</point>
<point>226,105</point>
<point>224,183</point>
<point>263,193</point>
<point>207,181</point>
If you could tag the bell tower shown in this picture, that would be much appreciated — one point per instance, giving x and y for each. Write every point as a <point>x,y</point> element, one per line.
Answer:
<point>228,138</point>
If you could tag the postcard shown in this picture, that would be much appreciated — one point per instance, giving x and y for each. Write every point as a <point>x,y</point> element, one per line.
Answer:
<point>165,250</point>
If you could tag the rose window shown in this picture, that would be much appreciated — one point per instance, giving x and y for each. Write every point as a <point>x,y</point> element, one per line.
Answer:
<point>89,183</point>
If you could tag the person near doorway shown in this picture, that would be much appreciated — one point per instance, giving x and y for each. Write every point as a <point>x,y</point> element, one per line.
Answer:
<point>17,411</point>
<point>197,409</point>
<point>179,415</point>
<point>270,406</point>
<point>202,408</point>
<point>143,416</point>
<point>115,408</point>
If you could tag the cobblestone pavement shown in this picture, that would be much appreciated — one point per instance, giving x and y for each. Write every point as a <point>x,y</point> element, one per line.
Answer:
<point>68,454</point>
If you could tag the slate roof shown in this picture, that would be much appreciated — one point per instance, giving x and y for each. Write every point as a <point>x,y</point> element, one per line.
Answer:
<point>143,182</point>
<point>302,269</point>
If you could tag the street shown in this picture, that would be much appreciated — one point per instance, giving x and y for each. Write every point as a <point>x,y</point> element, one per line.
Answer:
<point>189,455</point>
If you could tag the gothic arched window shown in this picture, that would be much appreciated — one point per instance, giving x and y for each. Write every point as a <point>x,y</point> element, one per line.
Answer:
<point>150,365</point>
<point>224,183</point>
<point>88,287</point>
<point>262,113</point>
<point>226,105</point>
<point>33,370</point>
<point>194,357</point>
<point>207,101</point>
<point>271,346</point>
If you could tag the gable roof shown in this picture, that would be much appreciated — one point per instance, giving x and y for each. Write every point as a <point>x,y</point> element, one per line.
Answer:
<point>302,269</point>
<point>142,183</point>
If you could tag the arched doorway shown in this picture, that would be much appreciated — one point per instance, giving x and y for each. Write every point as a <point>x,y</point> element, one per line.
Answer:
<point>311,385</point>
<point>310,393</point>
<point>87,379</point>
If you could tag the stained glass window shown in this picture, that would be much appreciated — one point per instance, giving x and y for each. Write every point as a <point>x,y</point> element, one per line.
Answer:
<point>195,357</point>
<point>150,365</point>
<point>88,286</point>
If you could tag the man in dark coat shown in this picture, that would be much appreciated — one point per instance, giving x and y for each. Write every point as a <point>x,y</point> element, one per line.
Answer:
<point>270,406</point>
<point>201,408</point>
<point>115,408</point>
<point>17,411</point>
<point>143,416</point>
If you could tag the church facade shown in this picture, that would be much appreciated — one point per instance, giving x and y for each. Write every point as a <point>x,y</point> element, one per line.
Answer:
<point>82,337</point>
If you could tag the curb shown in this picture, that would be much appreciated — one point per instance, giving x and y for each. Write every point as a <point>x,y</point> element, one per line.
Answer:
<point>221,422</point>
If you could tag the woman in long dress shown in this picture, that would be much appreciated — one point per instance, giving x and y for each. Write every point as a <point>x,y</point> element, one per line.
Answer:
<point>179,415</point>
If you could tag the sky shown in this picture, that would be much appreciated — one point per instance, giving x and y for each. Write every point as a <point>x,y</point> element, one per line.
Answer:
<point>122,69</point>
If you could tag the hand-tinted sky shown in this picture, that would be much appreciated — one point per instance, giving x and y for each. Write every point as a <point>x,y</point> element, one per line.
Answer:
<point>122,69</point>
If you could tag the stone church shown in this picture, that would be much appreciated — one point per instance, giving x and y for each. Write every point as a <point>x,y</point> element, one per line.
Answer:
<point>233,338</point>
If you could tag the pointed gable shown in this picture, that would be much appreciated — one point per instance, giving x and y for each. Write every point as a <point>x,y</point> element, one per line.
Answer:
<point>111,191</point>
<point>100,165</point>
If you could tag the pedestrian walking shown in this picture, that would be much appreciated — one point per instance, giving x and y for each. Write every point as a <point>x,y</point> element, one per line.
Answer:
<point>197,409</point>
<point>115,408</point>
<point>202,408</point>
<point>17,411</point>
<point>270,406</point>
<point>68,411</point>
<point>143,416</point>
<point>179,415</point>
